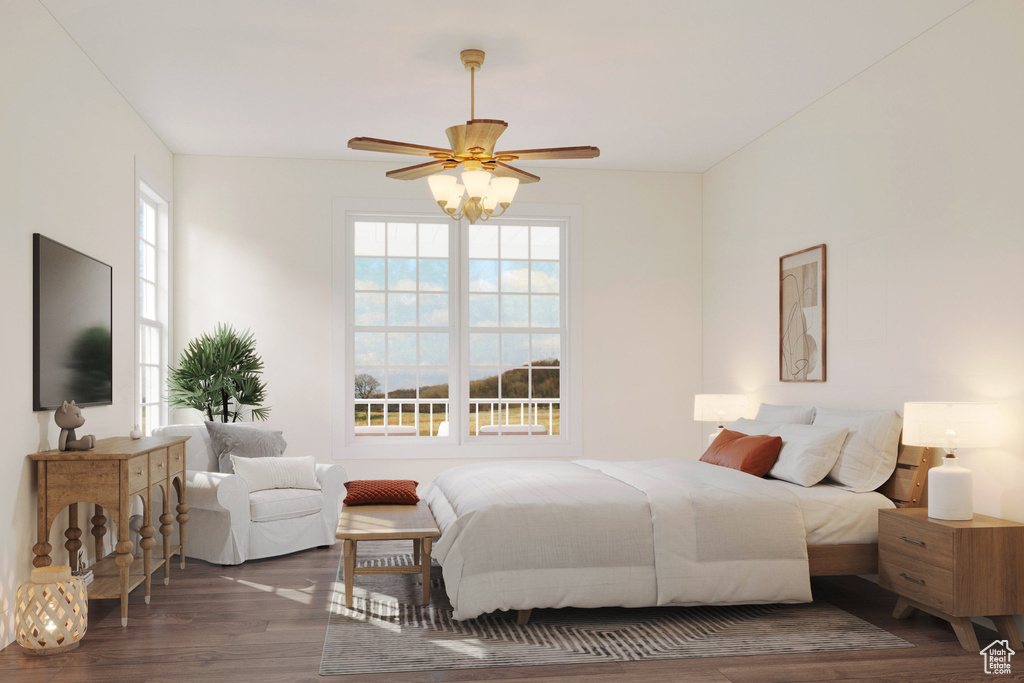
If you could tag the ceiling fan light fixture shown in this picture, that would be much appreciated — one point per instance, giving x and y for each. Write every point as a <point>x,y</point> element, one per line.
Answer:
<point>472,146</point>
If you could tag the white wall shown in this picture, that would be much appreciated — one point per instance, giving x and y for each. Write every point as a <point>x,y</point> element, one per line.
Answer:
<point>912,174</point>
<point>67,170</point>
<point>253,247</point>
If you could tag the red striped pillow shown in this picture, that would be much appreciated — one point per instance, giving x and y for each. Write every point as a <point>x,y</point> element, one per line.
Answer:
<point>381,492</point>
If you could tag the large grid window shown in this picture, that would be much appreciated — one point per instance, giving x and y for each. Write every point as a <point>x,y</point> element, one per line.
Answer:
<point>455,330</point>
<point>152,310</point>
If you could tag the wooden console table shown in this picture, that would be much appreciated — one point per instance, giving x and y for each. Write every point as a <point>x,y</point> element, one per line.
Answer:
<point>109,476</point>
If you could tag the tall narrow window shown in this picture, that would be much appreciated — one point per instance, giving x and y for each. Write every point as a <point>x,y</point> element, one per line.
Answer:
<point>401,330</point>
<point>516,329</point>
<point>152,309</point>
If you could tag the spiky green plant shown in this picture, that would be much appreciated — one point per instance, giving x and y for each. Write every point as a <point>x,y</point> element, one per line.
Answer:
<point>218,374</point>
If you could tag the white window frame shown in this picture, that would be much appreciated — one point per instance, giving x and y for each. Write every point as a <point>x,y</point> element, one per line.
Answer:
<point>152,192</point>
<point>459,444</point>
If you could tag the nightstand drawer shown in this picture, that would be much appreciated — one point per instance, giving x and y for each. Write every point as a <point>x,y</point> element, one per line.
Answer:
<point>915,539</point>
<point>917,580</point>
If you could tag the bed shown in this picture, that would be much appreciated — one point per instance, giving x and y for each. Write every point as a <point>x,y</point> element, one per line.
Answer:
<point>671,531</point>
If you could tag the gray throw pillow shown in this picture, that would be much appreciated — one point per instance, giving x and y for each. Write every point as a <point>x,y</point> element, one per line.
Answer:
<point>244,441</point>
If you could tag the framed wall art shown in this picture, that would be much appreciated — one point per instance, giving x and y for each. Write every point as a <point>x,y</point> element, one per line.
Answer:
<point>802,316</point>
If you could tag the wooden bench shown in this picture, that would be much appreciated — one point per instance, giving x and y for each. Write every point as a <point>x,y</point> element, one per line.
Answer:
<point>387,523</point>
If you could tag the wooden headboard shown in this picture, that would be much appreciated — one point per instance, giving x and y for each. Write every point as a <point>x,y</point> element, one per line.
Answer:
<point>906,486</point>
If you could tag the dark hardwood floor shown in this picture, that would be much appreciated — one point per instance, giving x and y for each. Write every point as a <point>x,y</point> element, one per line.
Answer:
<point>265,621</point>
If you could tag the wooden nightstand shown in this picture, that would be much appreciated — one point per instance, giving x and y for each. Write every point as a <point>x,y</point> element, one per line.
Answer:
<point>954,570</point>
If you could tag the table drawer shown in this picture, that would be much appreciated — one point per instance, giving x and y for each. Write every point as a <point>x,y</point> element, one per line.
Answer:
<point>916,539</point>
<point>176,458</point>
<point>158,466</point>
<point>917,580</point>
<point>138,473</point>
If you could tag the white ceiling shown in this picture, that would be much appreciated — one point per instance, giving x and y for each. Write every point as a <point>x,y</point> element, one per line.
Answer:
<point>658,85</point>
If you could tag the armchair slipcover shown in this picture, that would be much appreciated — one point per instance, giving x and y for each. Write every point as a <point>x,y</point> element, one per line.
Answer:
<point>229,525</point>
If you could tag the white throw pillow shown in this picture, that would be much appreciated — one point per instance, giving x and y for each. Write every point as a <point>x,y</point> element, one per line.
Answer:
<point>808,452</point>
<point>752,427</point>
<point>277,473</point>
<point>869,455</point>
<point>800,415</point>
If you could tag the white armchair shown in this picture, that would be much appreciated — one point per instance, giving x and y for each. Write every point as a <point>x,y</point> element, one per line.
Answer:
<point>229,525</point>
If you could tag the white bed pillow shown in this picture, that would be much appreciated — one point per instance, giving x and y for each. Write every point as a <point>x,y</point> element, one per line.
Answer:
<point>869,455</point>
<point>277,473</point>
<point>752,427</point>
<point>800,415</point>
<point>808,452</point>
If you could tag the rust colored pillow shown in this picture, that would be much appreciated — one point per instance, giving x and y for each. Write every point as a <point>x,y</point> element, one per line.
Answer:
<point>751,454</point>
<point>381,492</point>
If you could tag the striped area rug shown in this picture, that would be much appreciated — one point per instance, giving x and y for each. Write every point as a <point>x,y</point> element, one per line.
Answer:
<point>387,630</point>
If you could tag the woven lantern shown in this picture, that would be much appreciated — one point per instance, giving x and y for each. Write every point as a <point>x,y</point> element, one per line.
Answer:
<point>52,611</point>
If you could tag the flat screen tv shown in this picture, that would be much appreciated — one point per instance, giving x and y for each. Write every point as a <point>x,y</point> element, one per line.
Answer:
<point>73,357</point>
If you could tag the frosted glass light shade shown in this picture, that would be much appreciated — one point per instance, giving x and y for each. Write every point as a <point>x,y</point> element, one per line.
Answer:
<point>504,189</point>
<point>719,407</point>
<point>951,425</point>
<point>476,182</point>
<point>490,200</point>
<point>441,186</point>
<point>455,197</point>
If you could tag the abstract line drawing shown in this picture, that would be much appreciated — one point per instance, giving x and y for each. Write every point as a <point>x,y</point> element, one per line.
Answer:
<point>802,316</point>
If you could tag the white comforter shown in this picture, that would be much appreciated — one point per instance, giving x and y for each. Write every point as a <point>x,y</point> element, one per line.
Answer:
<point>523,535</point>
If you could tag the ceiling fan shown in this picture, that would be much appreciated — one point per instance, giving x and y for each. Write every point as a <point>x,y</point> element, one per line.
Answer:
<point>472,147</point>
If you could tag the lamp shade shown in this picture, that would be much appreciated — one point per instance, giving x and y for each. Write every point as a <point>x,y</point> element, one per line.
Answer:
<point>476,182</point>
<point>441,186</point>
<point>504,189</point>
<point>951,425</point>
<point>719,407</point>
<point>455,197</point>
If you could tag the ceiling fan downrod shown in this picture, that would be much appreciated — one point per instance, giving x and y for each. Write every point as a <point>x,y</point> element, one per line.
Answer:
<point>472,60</point>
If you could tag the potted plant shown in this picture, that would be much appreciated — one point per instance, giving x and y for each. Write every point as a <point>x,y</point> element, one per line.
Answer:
<point>219,374</point>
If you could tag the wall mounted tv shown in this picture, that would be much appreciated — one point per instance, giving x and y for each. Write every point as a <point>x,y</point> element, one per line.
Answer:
<point>72,325</point>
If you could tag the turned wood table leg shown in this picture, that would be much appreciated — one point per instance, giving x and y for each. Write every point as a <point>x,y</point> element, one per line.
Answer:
<point>425,557</point>
<point>166,529</point>
<point>1007,629</point>
<point>350,570</point>
<point>99,530</point>
<point>147,542</point>
<point>42,547</point>
<point>73,534</point>
<point>124,557</point>
<point>182,519</point>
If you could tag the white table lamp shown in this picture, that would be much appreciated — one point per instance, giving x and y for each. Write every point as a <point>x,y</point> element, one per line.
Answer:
<point>719,408</point>
<point>950,426</point>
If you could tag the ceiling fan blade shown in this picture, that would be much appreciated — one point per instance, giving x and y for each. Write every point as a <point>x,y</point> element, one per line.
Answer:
<point>417,171</point>
<point>503,170</point>
<point>375,145</point>
<point>476,137</point>
<point>551,153</point>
